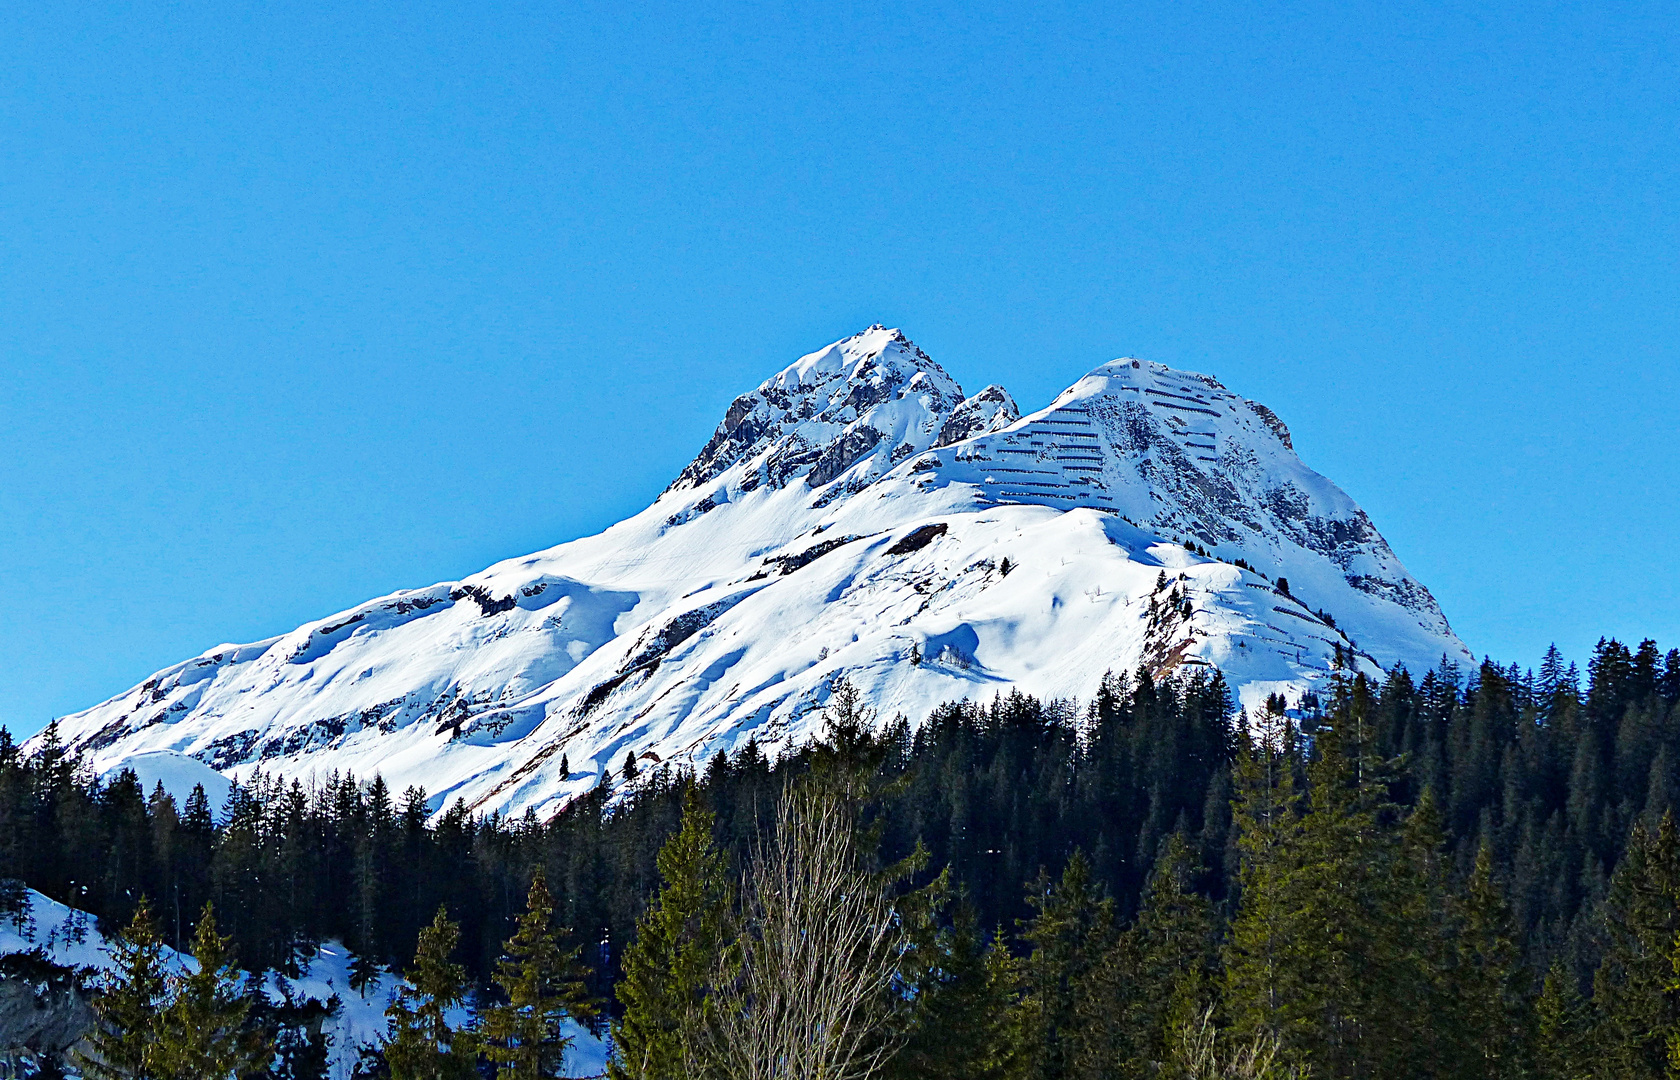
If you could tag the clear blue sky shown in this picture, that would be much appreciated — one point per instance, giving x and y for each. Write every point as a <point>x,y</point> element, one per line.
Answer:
<point>301,306</point>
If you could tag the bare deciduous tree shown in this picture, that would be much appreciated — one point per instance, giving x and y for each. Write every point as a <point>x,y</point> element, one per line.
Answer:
<point>806,992</point>
<point>1199,1055</point>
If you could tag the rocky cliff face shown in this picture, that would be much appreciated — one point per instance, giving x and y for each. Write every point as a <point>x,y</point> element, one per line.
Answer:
<point>857,517</point>
<point>44,1013</point>
<point>860,406</point>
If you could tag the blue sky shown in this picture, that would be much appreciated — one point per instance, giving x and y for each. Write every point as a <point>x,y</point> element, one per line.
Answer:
<point>302,305</point>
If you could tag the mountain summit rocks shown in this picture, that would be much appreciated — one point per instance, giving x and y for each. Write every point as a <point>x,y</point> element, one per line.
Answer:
<point>869,401</point>
<point>858,517</point>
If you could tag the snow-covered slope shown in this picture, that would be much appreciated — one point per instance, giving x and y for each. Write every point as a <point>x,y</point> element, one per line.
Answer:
<point>178,774</point>
<point>68,938</point>
<point>856,516</point>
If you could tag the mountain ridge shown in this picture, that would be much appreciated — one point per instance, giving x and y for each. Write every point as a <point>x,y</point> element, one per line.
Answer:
<point>856,516</point>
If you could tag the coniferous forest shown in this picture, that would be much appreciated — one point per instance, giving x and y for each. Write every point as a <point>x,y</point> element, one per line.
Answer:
<point>1463,874</point>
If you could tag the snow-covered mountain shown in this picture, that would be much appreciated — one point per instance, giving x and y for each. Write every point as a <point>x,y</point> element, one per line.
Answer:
<point>856,516</point>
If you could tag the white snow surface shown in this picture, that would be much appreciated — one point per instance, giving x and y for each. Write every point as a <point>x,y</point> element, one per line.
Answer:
<point>178,774</point>
<point>68,937</point>
<point>777,564</point>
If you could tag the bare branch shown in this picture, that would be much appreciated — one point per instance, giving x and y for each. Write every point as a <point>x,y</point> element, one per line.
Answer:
<point>806,993</point>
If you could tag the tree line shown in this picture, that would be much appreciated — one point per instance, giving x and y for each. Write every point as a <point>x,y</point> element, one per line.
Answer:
<point>1461,875</point>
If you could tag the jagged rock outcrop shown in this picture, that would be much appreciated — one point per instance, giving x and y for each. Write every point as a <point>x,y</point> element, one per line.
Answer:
<point>992,409</point>
<point>44,1013</point>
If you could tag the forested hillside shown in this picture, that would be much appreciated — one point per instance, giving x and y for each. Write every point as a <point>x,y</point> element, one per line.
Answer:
<point>1467,873</point>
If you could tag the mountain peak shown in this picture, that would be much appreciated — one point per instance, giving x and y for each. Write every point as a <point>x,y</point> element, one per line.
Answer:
<point>855,517</point>
<point>873,396</point>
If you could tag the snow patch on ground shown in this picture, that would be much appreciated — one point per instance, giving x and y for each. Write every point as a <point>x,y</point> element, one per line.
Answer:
<point>67,937</point>
<point>178,774</point>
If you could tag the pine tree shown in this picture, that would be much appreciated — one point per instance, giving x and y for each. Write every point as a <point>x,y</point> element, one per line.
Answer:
<point>1259,979</point>
<point>422,1044</point>
<point>1631,986</point>
<point>1492,984</point>
<point>1173,942</point>
<point>962,992</point>
<point>204,1032</point>
<point>544,986</point>
<point>123,1046</point>
<point>363,972</point>
<point>1071,932</point>
<point>1431,920</point>
<point>1563,1035</point>
<point>1319,954</point>
<point>668,969</point>
<point>1005,1057</point>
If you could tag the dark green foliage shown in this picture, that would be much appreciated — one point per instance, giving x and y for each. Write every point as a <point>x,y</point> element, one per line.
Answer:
<point>543,983</point>
<point>363,973</point>
<point>1071,933</point>
<point>422,1043</point>
<point>1518,861</point>
<point>1175,946</point>
<point>993,790</point>
<point>124,1044</point>
<point>964,987</point>
<point>203,1032</point>
<point>296,1028</point>
<point>1638,1011</point>
<point>1317,947</point>
<point>668,970</point>
<point>1563,1029</point>
<point>1492,986</point>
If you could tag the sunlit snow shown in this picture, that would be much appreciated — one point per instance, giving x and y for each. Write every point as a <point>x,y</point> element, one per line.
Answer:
<point>787,557</point>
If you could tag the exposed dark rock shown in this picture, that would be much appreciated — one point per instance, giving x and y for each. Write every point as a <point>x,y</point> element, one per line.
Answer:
<point>228,751</point>
<point>992,409</point>
<point>1270,419</point>
<point>704,506</point>
<point>652,647</point>
<point>790,563</point>
<point>842,454</point>
<point>768,420</point>
<point>487,604</point>
<point>601,691</point>
<point>44,1012</point>
<point>917,539</point>
<point>335,627</point>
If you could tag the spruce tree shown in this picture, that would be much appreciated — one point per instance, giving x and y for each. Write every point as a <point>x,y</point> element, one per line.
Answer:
<point>962,992</point>
<point>1631,991</point>
<point>124,1044</point>
<point>1430,924</point>
<point>1260,979</point>
<point>363,973</point>
<point>544,988</point>
<point>421,1043</point>
<point>669,967</point>
<point>1173,942</point>
<point>1071,932</point>
<point>1005,1056</point>
<point>1563,1029</point>
<point>204,1031</point>
<point>1492,984</point>
<point>1319,957</point>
